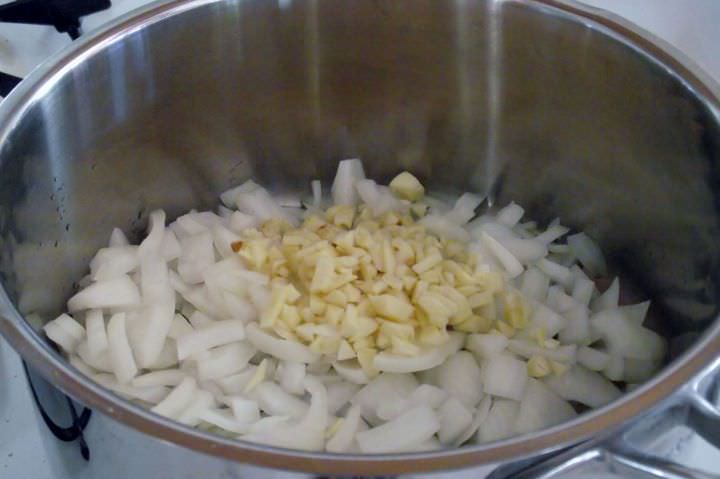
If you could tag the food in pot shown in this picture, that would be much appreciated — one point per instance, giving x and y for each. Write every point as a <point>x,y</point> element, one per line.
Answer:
<point>379,319</point>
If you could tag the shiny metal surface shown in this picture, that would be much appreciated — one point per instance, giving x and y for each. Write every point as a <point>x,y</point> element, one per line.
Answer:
<point>556,107</point>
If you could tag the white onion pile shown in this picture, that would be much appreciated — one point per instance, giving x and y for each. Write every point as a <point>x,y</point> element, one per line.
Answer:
<point>172,324</point>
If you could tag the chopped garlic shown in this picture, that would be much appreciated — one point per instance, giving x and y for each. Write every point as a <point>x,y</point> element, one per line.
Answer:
<point>419,209</point>
<point>391,307</point>
<point>538,366</point>
<point>345,351</point>
<point>406,186</point>
<point>505,329</point>
<point>349,284</point>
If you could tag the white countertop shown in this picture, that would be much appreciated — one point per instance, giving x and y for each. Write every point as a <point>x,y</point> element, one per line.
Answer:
<point>691,26</point>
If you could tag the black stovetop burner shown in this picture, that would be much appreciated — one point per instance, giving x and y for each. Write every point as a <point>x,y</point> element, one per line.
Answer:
<point>64,15</point>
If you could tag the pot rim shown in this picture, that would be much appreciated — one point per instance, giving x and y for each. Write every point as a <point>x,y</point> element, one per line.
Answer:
<point>34,349</point>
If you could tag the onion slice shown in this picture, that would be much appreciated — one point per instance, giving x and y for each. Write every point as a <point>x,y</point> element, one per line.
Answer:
<point>279,348</point>
<point>426,359</point>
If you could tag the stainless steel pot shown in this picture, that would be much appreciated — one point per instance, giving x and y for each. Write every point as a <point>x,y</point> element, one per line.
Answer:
<point>562,108</point>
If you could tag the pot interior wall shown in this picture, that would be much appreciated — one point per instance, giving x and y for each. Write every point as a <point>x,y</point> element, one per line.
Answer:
<point>507,98</point>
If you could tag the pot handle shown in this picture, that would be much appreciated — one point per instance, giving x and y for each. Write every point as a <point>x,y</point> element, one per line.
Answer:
<point>620,460</point>
<point>694,408</point>
<point>702,398</point>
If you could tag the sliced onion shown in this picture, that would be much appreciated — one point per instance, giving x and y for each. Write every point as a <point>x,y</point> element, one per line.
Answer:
<point>508,261</point>
<point>410,429</point>
<point>166,377</point>
<point>223,238</point>
<point>504,376</point>
<point>65,331</point>
<point>510,215</point>
<point>559,301</point>
<point>112,262</point>
<point>592,359</point>
<point>121,355</point>
<point>528,349</point>
<point>583,290</point>
<point>179,327</point>
<point>635,313</point>
<point>275,401</point>
<point>545,319</point>
<point>240,221</point>
<point>627,338</point>
<point>577,329</point>
<point>198,252</point>
<point>464,209</point>
<point>552,233</point>
<point>500,421</point>
<point>189,267</point>
<point>350,370</point>
<point>308,434</point>
<point>609,299</point>
<point>228,197</point>
<point>557,272</point>
<point>584,386</point>
<point>154,280</point>
<point>245,410</point>
<point>639,370</point>
<point>201,402</point>
<point>392,408</point>
<point>426,359</point>
<point>168,356</point>
<point>589,254</point>
<point>615,368</point>
<point>260,204</point>
<point>460,377</point>
<point>225,360</point>
<point>100,361</point>
<point>454,418</point>
<point>156,230</point>
<point>485,346</point>
<point>384,387</point>
<point>170,246</point>
<point>339,395</point>
<point>349,172</point>
<point>445,228</point>
<point>119,292</point>
<point>216,334</point>
<point>151,395</point>
<point>291,376</point>
<point>540,408</point>
<point>158,318</point>
<point>481,413</point>
<point>279,348</point>
<point>427,395</point>
<point>118,238</point>
<point>178,399</point>
<point>343,439</point>
<point>223,420</point>
<point>237,383</point>
<point>534,284</point>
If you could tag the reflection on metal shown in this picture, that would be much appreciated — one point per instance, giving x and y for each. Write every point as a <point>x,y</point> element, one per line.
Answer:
<point>313,55</point>
<point>494,71</point>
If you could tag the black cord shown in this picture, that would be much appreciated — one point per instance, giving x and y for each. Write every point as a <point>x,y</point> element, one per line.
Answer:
<point>66,434</point>
<point>7,83</point>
